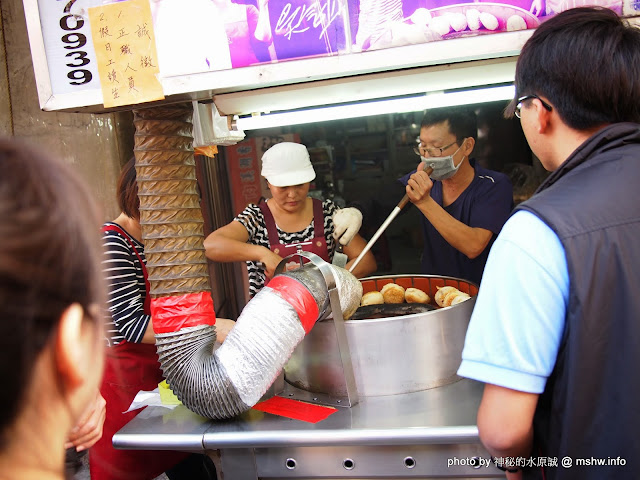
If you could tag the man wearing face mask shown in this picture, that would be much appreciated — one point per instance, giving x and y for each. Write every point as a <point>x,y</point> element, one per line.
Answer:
<point>463,205</point>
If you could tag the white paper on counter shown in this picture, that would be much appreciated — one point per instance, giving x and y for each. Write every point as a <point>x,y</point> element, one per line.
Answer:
<point>148,399</point>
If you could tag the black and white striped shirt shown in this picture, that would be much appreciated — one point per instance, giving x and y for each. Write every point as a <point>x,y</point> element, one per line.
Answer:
<point>253,220</point>
<point>127,292</point>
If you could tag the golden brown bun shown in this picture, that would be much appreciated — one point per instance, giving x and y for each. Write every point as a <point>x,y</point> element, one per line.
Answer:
<point>392,293</point>
<point>454,297</point>
<point>461,297</point>
<point>415,295</point>
<point>372,298</point>
<point>448,298</point>
<point>441,293</point>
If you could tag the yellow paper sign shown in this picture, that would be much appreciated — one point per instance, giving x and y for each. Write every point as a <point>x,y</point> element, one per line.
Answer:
<point>125,49</point>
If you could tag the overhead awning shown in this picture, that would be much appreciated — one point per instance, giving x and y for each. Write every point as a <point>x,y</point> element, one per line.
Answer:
<point>69,77</point>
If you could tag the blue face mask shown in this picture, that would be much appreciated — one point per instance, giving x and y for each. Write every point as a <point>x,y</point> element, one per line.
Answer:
<point>443,167</point>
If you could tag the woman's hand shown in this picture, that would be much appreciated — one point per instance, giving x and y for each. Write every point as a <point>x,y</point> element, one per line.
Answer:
<point>89,429</point>
<point>270,261</point>
<point>346,223</point>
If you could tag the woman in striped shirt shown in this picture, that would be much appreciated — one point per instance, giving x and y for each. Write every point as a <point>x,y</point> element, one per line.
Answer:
<point>132,362</point>
<point>290,221</point>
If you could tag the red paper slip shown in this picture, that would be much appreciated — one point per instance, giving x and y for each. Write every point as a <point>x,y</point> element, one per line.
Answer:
<point>295,409</point>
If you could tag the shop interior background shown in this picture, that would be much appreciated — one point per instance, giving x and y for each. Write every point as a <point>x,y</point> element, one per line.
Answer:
<point>355,158</point>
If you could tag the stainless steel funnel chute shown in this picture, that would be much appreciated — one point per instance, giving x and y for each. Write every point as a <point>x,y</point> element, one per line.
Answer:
<point>348,383</point>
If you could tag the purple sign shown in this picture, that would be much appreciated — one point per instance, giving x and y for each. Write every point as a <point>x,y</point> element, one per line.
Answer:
<point>267,31</point>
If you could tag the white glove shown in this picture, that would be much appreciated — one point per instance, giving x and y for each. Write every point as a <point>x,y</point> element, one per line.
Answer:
<point>346,223</point>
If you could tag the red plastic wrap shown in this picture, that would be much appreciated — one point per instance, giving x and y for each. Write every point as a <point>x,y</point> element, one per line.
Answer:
<point>290,408</point>
<point>299,297</point>
<point>174,313</point>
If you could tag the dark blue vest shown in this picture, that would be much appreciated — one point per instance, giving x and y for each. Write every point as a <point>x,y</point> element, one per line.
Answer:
<point>590,408</point>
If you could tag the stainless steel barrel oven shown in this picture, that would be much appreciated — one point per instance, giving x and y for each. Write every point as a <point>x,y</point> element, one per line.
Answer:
<point>390,356</point>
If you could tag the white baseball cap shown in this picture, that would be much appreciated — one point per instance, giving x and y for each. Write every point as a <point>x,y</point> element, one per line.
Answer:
<point>287,164</point>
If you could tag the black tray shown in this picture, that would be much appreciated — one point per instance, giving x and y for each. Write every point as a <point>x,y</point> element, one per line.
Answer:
<point>390,310</point>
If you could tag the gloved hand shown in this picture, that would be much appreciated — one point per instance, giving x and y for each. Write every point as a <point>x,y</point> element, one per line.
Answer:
<point>346,222</point>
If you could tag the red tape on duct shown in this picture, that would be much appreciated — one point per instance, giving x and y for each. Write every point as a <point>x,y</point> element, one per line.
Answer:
<point>171,314</point>
<point>299,297</point>
<point>295,409</point>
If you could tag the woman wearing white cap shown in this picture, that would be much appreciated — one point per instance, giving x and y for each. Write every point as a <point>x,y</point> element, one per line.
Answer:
<point>263,234</point>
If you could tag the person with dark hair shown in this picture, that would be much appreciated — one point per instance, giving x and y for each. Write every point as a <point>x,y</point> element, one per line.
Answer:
<point>51,294</point>
<point>554,334</point>
<point>463,205</point>
<point>132,362</point>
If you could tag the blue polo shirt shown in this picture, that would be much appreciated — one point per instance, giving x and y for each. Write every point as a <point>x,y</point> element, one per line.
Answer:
<point>486,203</point>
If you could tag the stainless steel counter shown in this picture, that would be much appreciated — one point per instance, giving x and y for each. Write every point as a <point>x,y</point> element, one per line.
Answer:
<point>427,434</point>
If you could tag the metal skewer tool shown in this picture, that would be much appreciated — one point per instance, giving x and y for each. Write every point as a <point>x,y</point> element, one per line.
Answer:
<point>396,210</point>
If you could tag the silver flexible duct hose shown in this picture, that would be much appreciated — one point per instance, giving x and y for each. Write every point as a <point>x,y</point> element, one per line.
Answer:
<point>232,379</point>
<point>229,381</point>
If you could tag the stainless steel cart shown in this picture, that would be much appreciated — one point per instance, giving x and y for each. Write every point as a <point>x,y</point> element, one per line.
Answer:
<point>429,434</point>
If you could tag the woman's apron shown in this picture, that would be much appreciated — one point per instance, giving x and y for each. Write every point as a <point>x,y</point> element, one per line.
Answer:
<point>129,368</point>
<point>317,245</point>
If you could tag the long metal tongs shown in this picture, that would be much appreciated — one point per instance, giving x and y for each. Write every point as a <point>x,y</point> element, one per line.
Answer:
<point>396,210</point>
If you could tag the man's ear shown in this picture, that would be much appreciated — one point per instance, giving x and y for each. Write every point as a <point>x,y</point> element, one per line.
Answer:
<point>467,146</point>
<point>543,117</point>
<point>69,346</point>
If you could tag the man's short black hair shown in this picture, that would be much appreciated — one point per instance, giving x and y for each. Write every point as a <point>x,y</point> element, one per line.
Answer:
<point>463,122</point>
<point>586,62</point>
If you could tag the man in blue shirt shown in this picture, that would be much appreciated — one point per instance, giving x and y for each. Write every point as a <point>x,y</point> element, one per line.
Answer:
<point>554,333</point>
<point>463,205</point>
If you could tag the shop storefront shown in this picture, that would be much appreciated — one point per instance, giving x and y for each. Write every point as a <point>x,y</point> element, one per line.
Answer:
<point>349,80</point>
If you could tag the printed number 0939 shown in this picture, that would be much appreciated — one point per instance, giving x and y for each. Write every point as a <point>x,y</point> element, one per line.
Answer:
<point>75,41</point>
